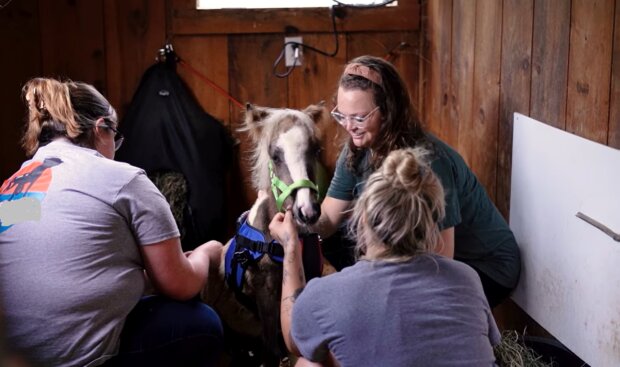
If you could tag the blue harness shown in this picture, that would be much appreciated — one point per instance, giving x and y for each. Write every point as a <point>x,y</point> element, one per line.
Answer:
<point>249,246</point>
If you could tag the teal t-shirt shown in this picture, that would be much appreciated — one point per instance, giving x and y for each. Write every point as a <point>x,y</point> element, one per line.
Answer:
<point>481,235</point>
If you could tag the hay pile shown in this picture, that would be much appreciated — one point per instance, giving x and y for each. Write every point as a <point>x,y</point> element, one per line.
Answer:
<point>512,352</point>
<point>174,188</point>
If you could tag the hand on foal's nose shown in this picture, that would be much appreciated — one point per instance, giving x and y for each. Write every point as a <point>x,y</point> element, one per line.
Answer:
<point>282,228</point>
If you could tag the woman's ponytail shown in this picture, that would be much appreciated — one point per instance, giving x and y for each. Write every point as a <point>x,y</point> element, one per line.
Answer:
<point>57,108</point>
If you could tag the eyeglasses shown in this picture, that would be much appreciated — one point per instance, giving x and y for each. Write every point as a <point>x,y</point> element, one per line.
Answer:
<point>118,137</point>
<point>358,121</point>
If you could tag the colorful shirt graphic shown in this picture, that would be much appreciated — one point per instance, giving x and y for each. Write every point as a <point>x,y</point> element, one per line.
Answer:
<point>21,195</point>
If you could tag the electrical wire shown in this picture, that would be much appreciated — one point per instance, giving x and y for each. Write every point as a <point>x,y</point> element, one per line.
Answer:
<point>296,46</point>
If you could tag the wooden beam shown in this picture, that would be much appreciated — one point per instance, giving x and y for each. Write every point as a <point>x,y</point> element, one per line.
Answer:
<point>186,19</point>
<point>589,72</point>
<point>515,87</point>
<point>482,136</point>
<point>438,61</point>
<point>550,61</point>
<point>461,73</point>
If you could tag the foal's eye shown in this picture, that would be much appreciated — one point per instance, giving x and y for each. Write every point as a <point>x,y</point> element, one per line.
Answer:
<point>276,157</point>
<point>314,151</point>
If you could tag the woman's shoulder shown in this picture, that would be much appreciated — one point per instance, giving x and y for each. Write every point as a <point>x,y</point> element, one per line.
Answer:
<point>446,161</point>
<point>455,269</point>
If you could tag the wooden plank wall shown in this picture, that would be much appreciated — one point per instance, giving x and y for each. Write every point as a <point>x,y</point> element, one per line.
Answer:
<point>20,58</point>
<point>555,60</point>
<point>106,43</point>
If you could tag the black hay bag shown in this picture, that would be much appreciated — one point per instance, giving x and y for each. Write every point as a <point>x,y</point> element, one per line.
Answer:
<point>166,131</point>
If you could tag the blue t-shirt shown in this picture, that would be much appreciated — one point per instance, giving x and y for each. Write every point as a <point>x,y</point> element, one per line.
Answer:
<point>482,237</point>
<point>429,311</point>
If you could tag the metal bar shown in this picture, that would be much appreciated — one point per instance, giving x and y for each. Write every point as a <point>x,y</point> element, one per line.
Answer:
<point>615,236</point>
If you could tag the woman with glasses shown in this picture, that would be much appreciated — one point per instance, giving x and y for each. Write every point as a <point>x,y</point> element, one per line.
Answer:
<point>374,106</point>
<point>80,237</point>
<point>400,305</point>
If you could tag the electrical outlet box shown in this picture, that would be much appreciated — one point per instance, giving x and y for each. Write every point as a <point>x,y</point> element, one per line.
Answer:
<point>289,51</point>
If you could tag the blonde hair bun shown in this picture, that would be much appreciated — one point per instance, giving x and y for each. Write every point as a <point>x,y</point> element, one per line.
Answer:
<point>407,168</point>
<point>400,207</point>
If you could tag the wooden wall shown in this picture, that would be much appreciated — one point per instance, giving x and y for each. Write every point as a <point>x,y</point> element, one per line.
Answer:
<point>110,43</point>
<point>106,43</point>
<point>555,60</point>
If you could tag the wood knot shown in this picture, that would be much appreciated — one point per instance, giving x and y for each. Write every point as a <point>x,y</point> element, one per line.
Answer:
<point>525,64</point>
<point>583,88</point>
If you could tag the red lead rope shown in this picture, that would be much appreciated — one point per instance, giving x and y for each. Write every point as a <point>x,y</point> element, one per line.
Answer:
<point>209,82</point>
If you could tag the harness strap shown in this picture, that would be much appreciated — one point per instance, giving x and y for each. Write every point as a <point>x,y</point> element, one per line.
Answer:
<point>237,263</point>
<point>287,190</point>
<point>272,248</point>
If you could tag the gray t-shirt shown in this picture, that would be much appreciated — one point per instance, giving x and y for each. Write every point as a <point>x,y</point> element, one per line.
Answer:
<point>69,278</point>
<point>430,311</point>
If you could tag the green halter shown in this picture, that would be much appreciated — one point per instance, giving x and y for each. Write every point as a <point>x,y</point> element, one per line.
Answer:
<point>286,191</point>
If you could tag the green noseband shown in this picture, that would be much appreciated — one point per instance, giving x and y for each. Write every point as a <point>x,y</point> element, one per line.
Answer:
<point>286,190</point>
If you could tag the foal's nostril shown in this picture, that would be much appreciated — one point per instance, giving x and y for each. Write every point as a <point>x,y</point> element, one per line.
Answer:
<point>309,215</point>
<point>316,209</point>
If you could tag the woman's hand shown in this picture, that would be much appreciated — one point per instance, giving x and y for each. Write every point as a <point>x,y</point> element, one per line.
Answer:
<point>180,275</point>
<point>213,251</point>
<point>283,229</point>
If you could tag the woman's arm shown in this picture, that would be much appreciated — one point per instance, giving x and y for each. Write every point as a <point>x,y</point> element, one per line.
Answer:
<point>176,275</point>
<point>446,247</point>
<point>283,229</point>
<point>333,213</point>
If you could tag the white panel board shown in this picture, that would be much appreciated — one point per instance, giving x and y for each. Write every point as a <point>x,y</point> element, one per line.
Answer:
<point>570,281</point>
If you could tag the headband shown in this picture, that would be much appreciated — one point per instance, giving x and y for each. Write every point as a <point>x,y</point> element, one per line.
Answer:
<point>363,71</point>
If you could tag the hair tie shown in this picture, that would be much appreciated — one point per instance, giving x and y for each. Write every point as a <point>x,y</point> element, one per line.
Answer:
<point>363,71</point>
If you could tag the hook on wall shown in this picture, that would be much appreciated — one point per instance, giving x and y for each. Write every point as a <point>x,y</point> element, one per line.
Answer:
<point>167,55</point>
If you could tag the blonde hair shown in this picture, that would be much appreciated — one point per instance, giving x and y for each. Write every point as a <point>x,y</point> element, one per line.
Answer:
<point>57,108</point>
<point>400,207</point>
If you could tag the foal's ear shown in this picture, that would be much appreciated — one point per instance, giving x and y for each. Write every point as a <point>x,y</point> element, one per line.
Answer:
<point>316,111</point>
<point>254,116</point>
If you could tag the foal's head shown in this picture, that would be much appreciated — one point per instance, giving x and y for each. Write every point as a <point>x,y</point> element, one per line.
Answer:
<point>285,157</point>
